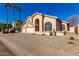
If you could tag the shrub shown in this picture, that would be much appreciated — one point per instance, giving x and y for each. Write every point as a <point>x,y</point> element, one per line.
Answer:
<point>71,38</point>
<point>51,33</point>
<point>18,28</point>
<point>70,43</point>
<point>43,34</point>
<point>33,34</point>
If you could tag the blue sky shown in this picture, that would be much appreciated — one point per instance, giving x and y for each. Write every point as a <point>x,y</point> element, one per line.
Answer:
<point>61,10</point>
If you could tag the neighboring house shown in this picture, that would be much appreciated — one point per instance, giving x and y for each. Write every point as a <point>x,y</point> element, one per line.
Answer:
<point>43,24</point>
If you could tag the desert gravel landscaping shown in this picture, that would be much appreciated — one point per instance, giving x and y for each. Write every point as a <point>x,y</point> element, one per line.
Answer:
<point>23,44</point>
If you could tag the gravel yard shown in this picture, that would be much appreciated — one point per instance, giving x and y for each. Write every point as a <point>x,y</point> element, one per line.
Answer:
<point>42,45</point>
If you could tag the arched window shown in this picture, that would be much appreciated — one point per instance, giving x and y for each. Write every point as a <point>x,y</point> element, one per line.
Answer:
<point>63,27</point>
<point>48,26</point>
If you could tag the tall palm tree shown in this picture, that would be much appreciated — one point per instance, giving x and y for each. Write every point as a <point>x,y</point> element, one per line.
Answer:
<point>6,14</point>
<point>13,5</point>
<point>19,21</point>
<point>19,8</point>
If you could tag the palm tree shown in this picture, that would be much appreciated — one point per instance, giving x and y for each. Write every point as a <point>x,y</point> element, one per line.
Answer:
<point>6,9</point>
<point>13,5</point>
<point>19,8</point>
<point>18,25</point>
<point>19,21</point>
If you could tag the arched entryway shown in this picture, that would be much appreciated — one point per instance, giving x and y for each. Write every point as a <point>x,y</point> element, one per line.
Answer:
<point>48,26</point>
<point>37,25</point>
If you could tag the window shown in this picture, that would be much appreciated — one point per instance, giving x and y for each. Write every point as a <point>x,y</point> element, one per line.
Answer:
<point>48,26</point>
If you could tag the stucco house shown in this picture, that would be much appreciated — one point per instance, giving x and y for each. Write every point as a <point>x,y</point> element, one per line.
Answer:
<point>40,23</point>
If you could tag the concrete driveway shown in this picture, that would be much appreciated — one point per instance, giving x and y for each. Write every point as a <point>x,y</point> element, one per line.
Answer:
<point>22,44</point>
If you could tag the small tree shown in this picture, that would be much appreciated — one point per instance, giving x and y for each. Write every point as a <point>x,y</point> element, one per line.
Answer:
<point>18,28</point>
<point>19,22</point>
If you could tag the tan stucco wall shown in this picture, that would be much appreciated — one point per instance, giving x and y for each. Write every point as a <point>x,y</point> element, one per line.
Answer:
<point>77,29</point>
<point>59,34</point>
<point>30,30</point>
<point>40,21</point>
<point>23,30</point>
<point>65,26</point>
<point>72,29</point>
<point>52,20</point>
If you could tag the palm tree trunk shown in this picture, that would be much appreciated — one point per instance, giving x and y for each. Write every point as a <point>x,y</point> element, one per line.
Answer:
<point>6,17</point>
<point>13,16</point>
<point>20,15</point>
<point>13,9</point>
<point>2,27</point>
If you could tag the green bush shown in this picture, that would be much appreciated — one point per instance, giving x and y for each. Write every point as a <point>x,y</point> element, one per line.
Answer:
<point>18,28</point>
